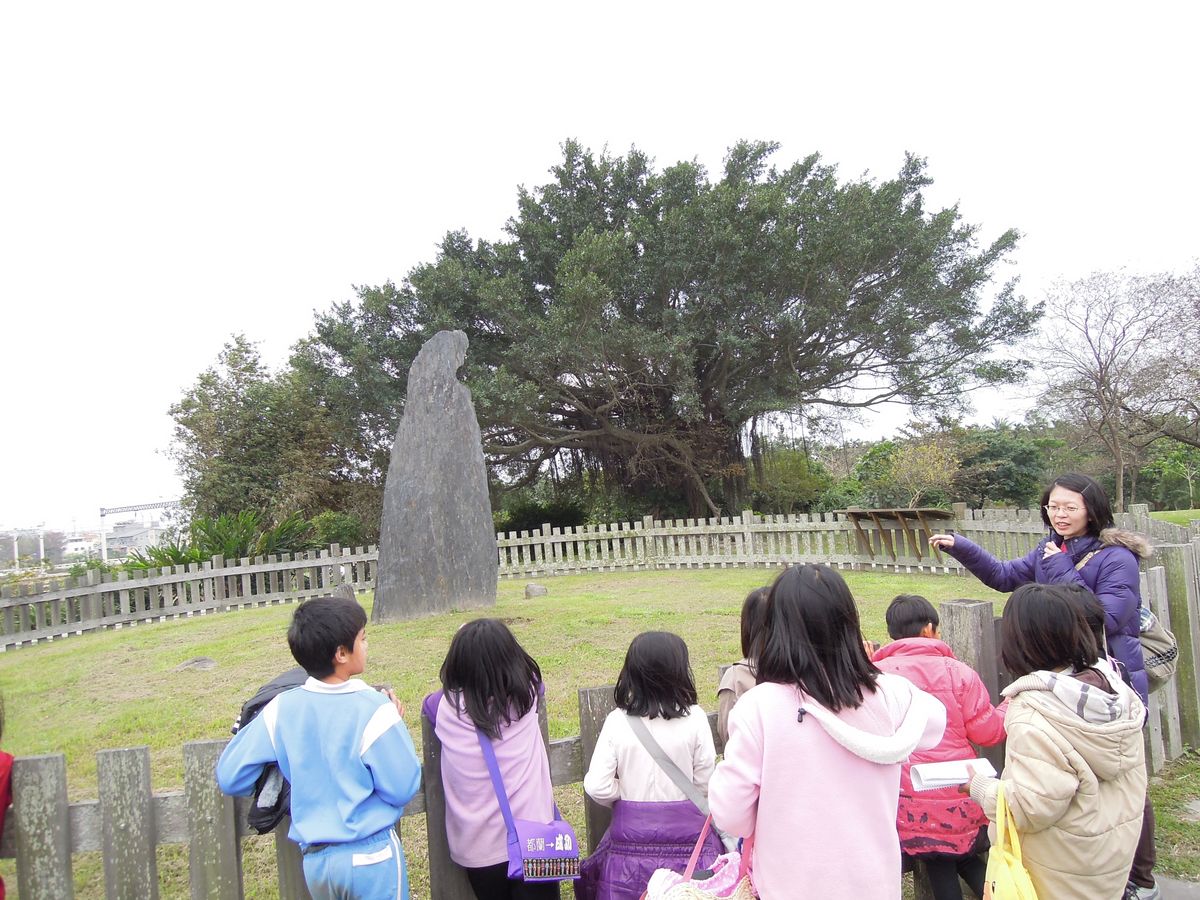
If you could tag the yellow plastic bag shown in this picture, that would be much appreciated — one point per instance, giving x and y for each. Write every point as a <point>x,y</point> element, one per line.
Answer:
<point>1006,877</point>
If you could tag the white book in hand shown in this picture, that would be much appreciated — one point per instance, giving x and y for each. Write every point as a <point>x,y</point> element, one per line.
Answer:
<point>928,776</point>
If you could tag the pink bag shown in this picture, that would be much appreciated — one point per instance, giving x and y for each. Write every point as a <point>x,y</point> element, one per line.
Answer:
<point>730,876</point>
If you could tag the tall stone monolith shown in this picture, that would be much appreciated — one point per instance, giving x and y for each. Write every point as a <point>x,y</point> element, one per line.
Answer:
<point>437,546</point>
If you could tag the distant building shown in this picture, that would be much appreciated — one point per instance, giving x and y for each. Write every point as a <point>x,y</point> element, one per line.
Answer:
<point>80,546</point>
<point>129,536</point>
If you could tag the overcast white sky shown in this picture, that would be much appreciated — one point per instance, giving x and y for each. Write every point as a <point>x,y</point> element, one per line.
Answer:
<point>172,173</point>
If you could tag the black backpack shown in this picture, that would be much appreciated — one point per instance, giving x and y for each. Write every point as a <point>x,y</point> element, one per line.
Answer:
<point>272,793</point>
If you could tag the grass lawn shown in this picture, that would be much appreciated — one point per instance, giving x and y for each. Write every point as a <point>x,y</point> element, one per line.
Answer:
<point>123,688</point>
<point>1177,829</point>
<point>1177,516</point>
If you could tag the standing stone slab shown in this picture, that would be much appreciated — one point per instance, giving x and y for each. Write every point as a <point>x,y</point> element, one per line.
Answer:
<point>437,549</point>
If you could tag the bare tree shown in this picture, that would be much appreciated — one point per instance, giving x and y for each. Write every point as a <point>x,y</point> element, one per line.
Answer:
<point>1105,341</point>
<point>1166,395</point>
<point>921,467</point>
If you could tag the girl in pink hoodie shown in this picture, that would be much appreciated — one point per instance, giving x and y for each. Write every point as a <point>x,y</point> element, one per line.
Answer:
<point>812,767</point>
<point>944,828</point>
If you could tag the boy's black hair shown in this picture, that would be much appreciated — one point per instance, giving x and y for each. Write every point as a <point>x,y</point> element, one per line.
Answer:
<point>1091,607</point>
<point>754,620</point>
<point>814,639</point>
<point>321,625</point>
<point>656,680</point>
<point>1043,629</point>
<point>490,674</point>
<point>908,615</point>
<point>1099,511</point>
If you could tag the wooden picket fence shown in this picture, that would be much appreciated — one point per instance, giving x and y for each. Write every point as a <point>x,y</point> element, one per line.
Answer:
<point>124,599</point>
<point>95,602</point>
<point>127,821</point>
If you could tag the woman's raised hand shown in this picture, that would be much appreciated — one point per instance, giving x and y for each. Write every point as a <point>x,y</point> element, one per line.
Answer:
<point>941,541</point>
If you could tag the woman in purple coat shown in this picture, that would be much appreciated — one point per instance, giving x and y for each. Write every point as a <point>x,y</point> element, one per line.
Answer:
<point>1083,547</point>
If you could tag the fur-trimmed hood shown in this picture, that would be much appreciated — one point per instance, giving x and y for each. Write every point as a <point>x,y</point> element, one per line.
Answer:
<point>1136,543</point>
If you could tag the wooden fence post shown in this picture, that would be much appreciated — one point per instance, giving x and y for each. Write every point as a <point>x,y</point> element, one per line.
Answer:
<point>968,627</point>
<point>594,706</point>
<point>214,851</point>
<point>747,538</point>
<point>649,549</point>
<point>447,879</point>
<point>547,548</point>
<point>1168,696</point>
<point>1179,561</point>
<point>290,864</point>
<point>127,824</point>
<point>39,785</point>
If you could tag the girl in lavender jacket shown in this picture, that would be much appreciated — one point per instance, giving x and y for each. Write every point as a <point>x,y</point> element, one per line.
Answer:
<point>812,767</point>
<point>491,684</point>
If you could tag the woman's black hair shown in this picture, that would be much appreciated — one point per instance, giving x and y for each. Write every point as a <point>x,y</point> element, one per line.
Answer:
<point>1091,607</point>
<point>490,674</point>
<point>656,680</point>
<point>908,615</point>
<point>1099,510</point>
<point>1042,628</point>
<point>814,640</point>
<point>754,620</point>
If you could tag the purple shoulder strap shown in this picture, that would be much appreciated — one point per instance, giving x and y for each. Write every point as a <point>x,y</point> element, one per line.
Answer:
<point>489,757</point>
<point>430,706</point>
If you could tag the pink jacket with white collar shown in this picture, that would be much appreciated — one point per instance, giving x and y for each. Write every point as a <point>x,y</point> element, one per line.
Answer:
<point>943,820</point>
<point>818,791</point>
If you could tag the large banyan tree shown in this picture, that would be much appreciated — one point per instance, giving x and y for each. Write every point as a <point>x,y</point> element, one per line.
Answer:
<point>636,322</point>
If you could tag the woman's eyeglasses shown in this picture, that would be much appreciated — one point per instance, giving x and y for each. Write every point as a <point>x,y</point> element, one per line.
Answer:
<point>1069,510</point>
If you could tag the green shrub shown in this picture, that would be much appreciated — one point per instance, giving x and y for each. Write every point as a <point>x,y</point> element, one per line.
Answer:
<point>343,529</point>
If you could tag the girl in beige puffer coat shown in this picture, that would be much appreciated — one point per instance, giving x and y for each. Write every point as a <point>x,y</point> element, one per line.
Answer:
<point>1074,773</point>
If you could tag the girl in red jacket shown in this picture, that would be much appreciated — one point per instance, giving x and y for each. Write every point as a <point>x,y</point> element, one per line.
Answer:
<point>6,762</point>
<point>943,828</point>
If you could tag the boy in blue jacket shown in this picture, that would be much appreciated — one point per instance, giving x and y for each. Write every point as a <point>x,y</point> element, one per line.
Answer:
<point>344,749</point>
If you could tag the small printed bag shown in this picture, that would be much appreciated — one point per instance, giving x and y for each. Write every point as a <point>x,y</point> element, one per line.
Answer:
<point>537,851</point>
<point>1160,650</point>
<point>729,876</point>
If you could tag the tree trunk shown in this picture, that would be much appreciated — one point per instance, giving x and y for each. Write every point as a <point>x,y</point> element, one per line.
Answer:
<point>700,504</point>
<point>1119,505</point>
<point>735,484</point>
<point>756,454</point>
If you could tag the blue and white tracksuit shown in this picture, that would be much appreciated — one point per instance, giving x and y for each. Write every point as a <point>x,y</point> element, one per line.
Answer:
<point>352,766</point>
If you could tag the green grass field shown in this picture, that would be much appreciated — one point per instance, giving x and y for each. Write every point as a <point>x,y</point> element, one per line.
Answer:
<point>1177,516</point>
<point>124,688</point>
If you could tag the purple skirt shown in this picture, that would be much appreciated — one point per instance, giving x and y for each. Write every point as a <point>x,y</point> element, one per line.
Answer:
<point>643,837</point>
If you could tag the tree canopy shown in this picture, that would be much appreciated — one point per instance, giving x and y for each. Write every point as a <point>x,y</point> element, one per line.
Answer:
<point>632,321</point>
<point>247,439</point>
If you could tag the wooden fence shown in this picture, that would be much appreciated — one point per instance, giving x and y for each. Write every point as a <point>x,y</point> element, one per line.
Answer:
<point>124,599</point>
<point>127,821</point>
